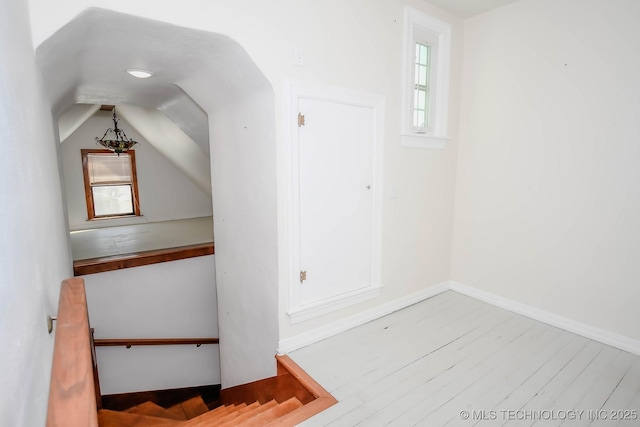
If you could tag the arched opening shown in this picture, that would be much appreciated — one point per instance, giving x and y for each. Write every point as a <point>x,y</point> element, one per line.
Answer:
<point>206,86</point>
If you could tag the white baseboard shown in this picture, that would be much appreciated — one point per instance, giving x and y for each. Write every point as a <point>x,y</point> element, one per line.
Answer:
<point>332,304</point>
<point>293,343</point>
<point>606,337</point>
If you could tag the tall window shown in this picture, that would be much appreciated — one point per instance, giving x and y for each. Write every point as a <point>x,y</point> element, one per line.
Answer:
<point>421,94</point>
<point>427,51</point>
<point>110,184</point>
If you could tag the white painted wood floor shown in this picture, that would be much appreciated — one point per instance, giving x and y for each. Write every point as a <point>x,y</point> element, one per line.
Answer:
<point>428,363</point>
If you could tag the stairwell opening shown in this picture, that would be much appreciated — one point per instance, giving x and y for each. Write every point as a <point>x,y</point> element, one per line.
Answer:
<point>218,76</point>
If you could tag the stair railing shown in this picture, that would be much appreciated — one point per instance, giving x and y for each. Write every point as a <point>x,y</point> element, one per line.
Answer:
<point>74,392</point>
<point>73,395</point>
<point>129,342</point>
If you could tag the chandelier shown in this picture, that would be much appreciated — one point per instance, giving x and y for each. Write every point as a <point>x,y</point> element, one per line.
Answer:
<point>116,140</point>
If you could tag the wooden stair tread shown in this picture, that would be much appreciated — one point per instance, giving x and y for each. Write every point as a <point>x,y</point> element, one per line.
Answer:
<point>109,418</point>
<point>251,413</point>
<point>232,416</point>
<point>220,411</point>
<point>272,414</point>
<point>191,408</point>
<point>207,420</point>
<point>211,418</point>
<point>153,410</point>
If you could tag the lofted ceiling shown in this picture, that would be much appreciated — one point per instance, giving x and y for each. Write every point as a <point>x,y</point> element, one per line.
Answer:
<point>84,65</point>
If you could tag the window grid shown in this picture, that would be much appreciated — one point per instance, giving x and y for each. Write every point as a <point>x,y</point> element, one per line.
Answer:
<point>421,86</point>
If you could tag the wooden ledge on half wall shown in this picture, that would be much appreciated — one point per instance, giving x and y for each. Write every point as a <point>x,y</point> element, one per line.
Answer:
<point>137,259</point>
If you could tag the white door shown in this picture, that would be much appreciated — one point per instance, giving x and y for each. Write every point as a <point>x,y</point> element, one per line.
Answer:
<point>336,179</point>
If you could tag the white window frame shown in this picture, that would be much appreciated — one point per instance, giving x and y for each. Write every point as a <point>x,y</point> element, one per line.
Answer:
<point>420,27</point>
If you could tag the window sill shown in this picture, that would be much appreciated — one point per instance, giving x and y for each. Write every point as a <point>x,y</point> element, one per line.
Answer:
<point>105,217</point>
<point>424,141</point>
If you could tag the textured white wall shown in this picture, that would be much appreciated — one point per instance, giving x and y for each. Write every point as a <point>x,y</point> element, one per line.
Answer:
<point>168,300</point>
<point>548,206</point>
<point>165,192</point>
<point>34,254</point>
<point>243,180</point>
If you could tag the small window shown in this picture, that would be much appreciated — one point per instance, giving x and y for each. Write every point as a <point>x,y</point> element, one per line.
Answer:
<point>422,85</point>
<point>426,80</point>
<point>110,184</point>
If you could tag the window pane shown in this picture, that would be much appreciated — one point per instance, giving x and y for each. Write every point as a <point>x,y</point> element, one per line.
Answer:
<point>420,118</point>
<point>109,167</point>
<point>112,200</point>
<point>422,99</point>
<point>424,50</point>
<point>422,75</point>
<point>422,83</point>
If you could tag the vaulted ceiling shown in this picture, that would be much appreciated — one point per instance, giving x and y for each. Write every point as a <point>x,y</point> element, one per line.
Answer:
<point>83,65</point>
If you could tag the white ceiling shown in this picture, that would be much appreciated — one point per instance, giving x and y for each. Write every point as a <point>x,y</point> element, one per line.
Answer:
<point>83,65</point>
<point>469,8</point>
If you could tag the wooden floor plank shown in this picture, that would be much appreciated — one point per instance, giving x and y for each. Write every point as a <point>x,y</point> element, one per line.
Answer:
<point>517,397</point>
<point>508,371</point>
<point>594,386</point>
<point>623,395</point>
<point>362,353</point>
<point>438,373</point>
<point>401,382</point>
<point>425,364</point>
<point>462,368</point>
<point>433,400</point>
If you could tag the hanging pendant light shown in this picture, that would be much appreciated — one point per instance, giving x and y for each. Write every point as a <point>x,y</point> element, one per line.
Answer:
<point>116,140</point>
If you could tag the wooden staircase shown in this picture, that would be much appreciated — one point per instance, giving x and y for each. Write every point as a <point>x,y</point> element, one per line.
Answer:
<point>195,413</point>
<point>287,399</point>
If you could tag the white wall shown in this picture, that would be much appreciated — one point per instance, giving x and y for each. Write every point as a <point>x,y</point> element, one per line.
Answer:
<point>34,254</point>
<point>547,207</point>
<point>362,51</point>
<point>168,300</point>
<point>243,179</point>
<point>165,192</point>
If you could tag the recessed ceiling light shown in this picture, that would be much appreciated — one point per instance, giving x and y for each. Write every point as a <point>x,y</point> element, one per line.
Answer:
<point>141,74</point>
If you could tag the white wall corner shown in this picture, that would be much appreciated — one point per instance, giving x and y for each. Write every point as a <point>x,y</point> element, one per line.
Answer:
<point>606,337</point>
<point>290,344</point>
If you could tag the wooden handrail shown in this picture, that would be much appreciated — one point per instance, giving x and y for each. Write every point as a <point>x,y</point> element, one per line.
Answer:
<point>72,398</point>
<point>128,342</point>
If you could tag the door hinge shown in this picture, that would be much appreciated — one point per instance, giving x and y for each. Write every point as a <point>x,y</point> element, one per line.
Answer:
<point>303,276</point>
<point>300,120</point>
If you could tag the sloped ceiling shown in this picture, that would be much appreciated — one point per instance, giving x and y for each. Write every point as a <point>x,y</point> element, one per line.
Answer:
<point>83,65</point>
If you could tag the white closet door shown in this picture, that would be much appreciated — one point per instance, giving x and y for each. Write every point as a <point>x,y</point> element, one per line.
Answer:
<point>336,149</point>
